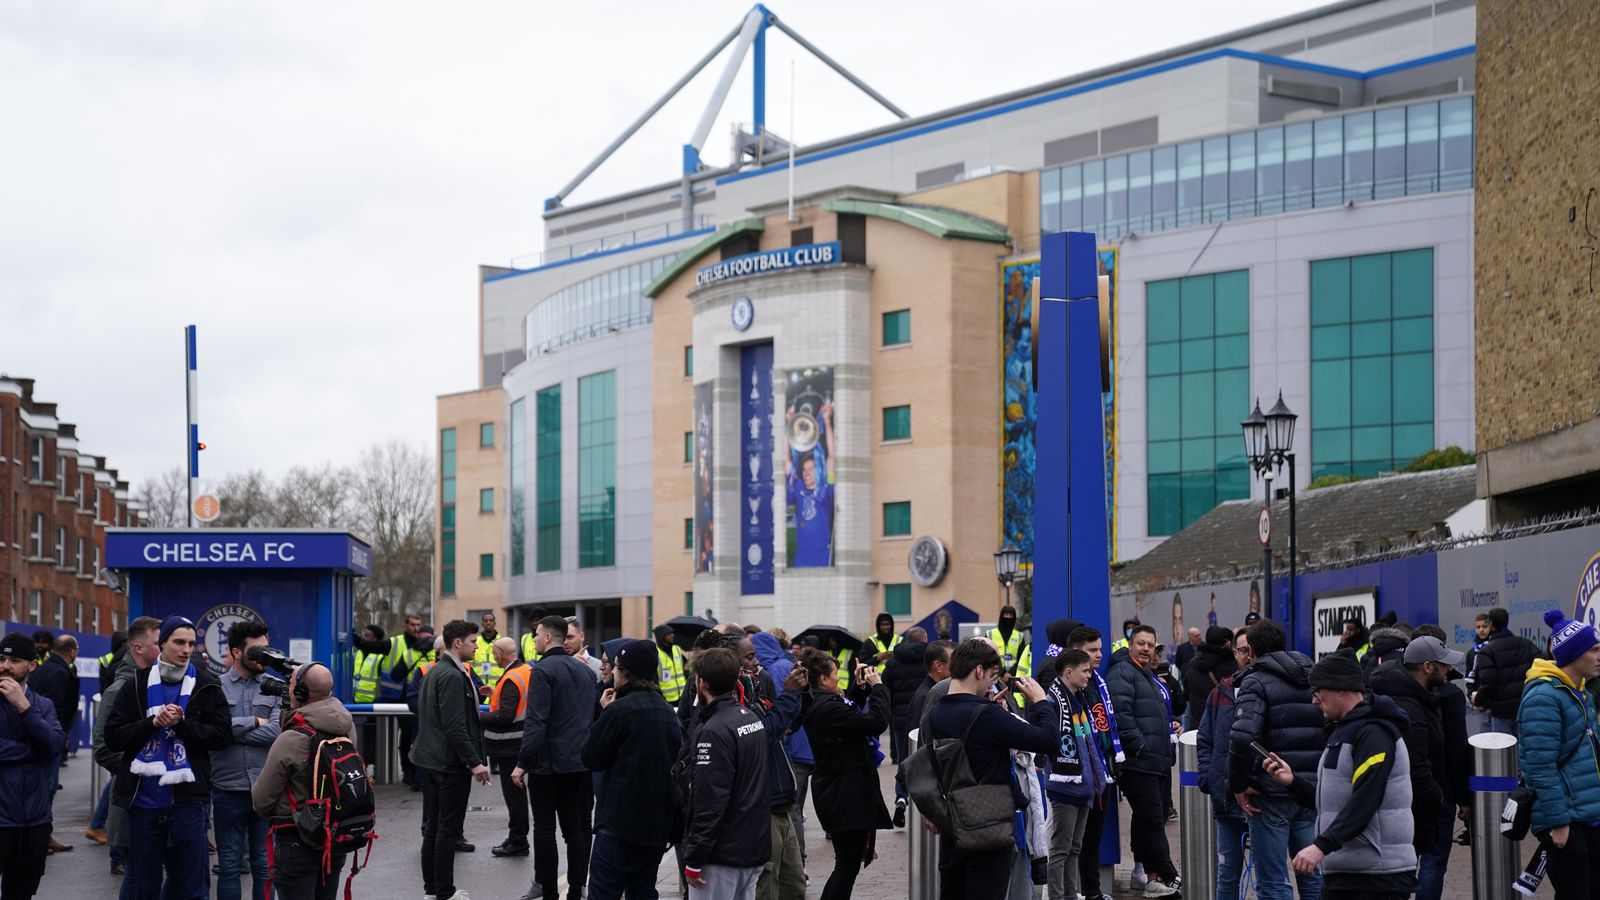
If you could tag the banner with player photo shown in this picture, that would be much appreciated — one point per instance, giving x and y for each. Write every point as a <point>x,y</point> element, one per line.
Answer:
<point>704,546</point>
<point>808,475</point>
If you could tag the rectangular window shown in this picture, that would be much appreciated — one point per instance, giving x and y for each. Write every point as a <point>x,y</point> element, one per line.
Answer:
<point>688,603</point>
<point>897,423</point>
<point>897,599</point>
<point>36,536</point>
<point>447,512</point>
<point>597,470</point>
<point>486,500</point>
<point>94,618</point>
<point>688,533</point>
<point>61,475</point>
<point>1163,188</point>
<point>485,565</point>
<point>81,560</point>
<point>897,327</point>
<point>36,607</point>
<point>519,487</point>
<point>1371,362</point>
<point>486,434</point>
<point>447,582</point>
<point>897,519</point>
<point>1050,201</point>
<point>547,474</point>
<point>61,612</point>
<point>98,579</point>
<point>1297,166</point>
<point>1071,198</point>
<point>1197,345</point>
<point>61,546</point>
<point>77,621</point>
<point>688,361</point>
<point>688,446</point>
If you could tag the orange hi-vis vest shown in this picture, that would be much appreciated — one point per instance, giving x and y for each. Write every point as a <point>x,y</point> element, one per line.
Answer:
<point>518,675</point>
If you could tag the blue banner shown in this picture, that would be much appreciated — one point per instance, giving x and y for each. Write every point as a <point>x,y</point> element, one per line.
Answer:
<point>143,548</point>
<point>755,469</point>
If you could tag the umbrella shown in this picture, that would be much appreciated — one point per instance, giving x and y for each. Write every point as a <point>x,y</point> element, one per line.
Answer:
<point>846,638</point>
<point>687,628</point>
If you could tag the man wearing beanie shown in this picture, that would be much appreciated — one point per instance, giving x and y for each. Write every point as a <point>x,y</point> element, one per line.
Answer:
<point>633,744</point>
<point>166,722</point>
<point>1363,800</point>
<point>35,739</point>
<point>1559,759</point>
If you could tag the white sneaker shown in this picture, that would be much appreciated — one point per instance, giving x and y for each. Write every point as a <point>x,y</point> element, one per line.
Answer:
<point>458,895</point>
<point>1155,887</point>
<point>1136,878</point>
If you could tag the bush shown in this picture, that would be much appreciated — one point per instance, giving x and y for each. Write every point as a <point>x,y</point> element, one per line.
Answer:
<point>1331,480</point>
<point>1446,458</point>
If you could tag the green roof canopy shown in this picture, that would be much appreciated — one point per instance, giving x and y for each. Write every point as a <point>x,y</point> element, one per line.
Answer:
<point>692,255</point>
<point>935,220</point>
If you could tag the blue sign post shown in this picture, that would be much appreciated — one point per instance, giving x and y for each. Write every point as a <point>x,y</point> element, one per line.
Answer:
<point>301,584</point>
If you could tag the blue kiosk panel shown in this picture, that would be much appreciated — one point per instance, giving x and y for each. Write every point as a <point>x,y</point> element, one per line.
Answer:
<point>301,584</point>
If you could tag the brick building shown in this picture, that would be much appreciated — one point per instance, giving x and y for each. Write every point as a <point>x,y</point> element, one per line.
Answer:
<point>55,505</point>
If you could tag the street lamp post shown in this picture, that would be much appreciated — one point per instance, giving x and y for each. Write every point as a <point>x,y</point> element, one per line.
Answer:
<point>1006,561</point>
<point>1268,444</point>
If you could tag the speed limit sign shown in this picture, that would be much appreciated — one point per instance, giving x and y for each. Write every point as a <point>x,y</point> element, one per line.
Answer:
<point>1264,527</point>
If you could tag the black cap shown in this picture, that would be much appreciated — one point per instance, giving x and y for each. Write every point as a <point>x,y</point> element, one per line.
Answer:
<point>1338,672</point>
<point>18,646</point>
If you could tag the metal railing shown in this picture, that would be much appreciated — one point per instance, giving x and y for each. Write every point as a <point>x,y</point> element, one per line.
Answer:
<point>611,241</point>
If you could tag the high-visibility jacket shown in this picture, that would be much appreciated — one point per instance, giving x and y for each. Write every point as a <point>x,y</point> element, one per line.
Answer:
<point>875,645</point>
<point>1119,644</point>
<point>106,660</point>
<point>483,659</point>
<point>1025,667</point>
<point>530,651</point>
<point>842,657</point>
<point>672,679</point>
<point>368,666</point>
<point>1010,649</point>
<point>519,676</point>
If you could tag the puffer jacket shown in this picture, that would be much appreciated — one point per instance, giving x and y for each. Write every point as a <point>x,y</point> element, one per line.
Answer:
<point>1212,742</point>
<point>778,663</point>
<point>1499,671</point>
<point>29,741</point>
<point>904,673</point>
<point>1143,716</point>
<point>1383,645</point>
<point>1362,794</point>
<point>1424,744</point>
<point>1210,661</point>
<point>1273,705</point>
<point>1556,757</point>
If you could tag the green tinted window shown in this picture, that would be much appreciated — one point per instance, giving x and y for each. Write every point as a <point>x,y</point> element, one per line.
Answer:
<point>547,474</point>
<point>688,446</point>
<point>897,327</point>
<point>486,434</point>
<point>519,486</point>
<point>597,470</point>
<point>447,511</point>
<point>897,423</point>
<point>897,519</point>
<point>688,533</point>
<point>688,361</point>
<point>486,500</point>
<point>897,599</point>
<point>485,565</point>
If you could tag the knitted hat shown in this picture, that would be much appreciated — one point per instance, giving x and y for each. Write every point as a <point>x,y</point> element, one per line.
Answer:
<point>1338,672</point>
<point>18,645</point>
<point>171,624</point>
<point>1571,638</point>
<point>638,659</point>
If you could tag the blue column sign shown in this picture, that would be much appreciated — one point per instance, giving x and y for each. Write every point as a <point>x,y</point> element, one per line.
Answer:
<point>755,470</point>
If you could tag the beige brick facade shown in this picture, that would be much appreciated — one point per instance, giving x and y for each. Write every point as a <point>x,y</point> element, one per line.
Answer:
<point>478,468</point>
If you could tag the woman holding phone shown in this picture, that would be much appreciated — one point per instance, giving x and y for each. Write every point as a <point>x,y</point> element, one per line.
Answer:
<point>844,780</point>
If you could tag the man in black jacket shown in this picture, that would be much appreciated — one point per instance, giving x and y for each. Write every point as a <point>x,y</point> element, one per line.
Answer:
<point>728,839</point>
<point>936,668</point>
<point>165,777</point>
<point>1273,706</point>
<point>32,737</point>
<point>903,675</point>
<point>1499,669</point>
<point>1149,740</point>
<point>449,748</point>
<point>1452,777</point>
<point>633,744</point>
<point>561,702</point>
<point>57,678</point>
<point>1410,682</point>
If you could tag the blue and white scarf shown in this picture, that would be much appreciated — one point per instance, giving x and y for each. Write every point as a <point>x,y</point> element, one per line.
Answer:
<point>1111,717</point>
<point>1166,697</point>
<point>164,756</point>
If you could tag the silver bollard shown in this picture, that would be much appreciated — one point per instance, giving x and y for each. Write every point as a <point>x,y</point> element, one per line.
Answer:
<point>923,849</point>
<point>1197,831</point>
<point>97,775</point>
<point>1494,776</point>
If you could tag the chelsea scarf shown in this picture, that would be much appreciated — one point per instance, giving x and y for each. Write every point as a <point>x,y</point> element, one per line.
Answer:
<point>164,756</point>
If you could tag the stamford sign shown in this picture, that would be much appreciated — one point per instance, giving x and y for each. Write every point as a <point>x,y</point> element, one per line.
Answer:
<point>206,548</point>
<point>803,256</point>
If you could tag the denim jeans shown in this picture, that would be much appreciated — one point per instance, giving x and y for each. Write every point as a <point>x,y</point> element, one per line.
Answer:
<point>103,807</point>
<point>241,844</point>
<point>169,842</point>
<point>1430,871</point>
<point>1230,857</point>
<point>619,868</point>
<point>1282,829</point>
<point>1503,726</point>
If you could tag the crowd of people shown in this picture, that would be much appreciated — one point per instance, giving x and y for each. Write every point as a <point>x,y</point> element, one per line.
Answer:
<point>1341,777</point>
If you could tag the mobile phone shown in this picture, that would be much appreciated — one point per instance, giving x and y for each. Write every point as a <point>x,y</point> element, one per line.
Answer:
<point>1261,751</point>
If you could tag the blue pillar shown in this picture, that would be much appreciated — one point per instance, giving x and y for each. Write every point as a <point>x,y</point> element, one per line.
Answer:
<point>758,114</point>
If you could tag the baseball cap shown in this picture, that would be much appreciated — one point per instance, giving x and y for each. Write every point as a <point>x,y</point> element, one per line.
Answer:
<point>18,646</point>
<point>1430,649</point>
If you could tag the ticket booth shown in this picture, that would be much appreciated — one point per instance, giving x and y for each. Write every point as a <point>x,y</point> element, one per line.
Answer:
<point>300,583</point>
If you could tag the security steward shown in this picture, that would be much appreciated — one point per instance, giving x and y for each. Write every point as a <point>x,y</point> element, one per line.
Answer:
<point>483,663</point>
<point>30,729</point>
<point>369,665</point>
<point>502,739</point>
<point>880,645</point>
<point>1008,639</point>
<point>671,661</point>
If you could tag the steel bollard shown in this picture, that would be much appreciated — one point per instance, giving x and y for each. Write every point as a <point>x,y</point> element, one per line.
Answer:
<point>97,775</point>
<point>1197,831</point>
<point>1494,776</point>
<point>923,849</point>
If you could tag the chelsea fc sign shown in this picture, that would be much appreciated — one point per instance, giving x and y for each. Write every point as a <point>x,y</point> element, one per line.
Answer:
<point>783,259</point>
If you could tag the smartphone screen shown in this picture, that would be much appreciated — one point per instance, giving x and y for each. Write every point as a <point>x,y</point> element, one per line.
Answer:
<point>1261,751</point>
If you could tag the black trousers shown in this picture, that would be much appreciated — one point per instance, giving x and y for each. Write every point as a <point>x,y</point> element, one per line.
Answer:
<point>850,849</point>
<point>569,799</point>
<point>516,803</point>
<point>22,855</point>
<point>1089,858</point>
<point>297,870</point>
<point>973,875</point>
<point>1147,833</point>
<point>444,814</point>
<point>1574,869</point>
<point>1396,886</point>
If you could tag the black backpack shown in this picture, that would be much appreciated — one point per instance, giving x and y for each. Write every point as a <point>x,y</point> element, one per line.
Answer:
<point>340,814</point>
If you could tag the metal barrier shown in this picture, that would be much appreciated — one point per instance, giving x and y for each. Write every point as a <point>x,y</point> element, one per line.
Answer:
<point>378,734</point>
<point>1197,831</point>
<point>924,847</point>
<point>1494,776</point>
<point>97,775</point>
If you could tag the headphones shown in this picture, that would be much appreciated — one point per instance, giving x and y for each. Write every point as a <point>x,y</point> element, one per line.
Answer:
<point>302,694</point>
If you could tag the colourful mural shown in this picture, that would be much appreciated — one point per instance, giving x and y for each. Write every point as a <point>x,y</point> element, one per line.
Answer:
<point>1017,460</point>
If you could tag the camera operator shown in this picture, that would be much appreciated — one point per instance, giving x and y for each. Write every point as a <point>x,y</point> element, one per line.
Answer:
<point>253,715</point>
<point>298,868</point>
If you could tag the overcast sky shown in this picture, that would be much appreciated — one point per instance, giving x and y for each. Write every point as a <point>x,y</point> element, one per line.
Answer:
<point>314,184</point>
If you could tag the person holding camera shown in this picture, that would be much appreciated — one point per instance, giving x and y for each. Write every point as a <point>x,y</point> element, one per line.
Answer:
<point>241,834</point>
<point>298,872</point>
<point>844,782</point>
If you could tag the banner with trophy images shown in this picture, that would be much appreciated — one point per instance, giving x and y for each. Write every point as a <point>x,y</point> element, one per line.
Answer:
<point>755,473</point>
<point>808,482</point>
<point>703,544</point>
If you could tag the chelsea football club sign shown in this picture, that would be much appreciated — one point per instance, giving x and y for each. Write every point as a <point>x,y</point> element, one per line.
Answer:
<point>804,256</point>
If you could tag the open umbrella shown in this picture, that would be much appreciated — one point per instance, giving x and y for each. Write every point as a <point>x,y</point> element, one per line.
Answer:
<point>846,638</point>
<point>687,628</point>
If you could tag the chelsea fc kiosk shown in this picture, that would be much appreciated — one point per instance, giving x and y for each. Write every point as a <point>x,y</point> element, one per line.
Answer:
<point>300,584</point>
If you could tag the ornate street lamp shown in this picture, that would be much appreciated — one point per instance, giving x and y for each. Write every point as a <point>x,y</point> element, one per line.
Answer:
<point>1268,444</point>
<point>1006,561</point>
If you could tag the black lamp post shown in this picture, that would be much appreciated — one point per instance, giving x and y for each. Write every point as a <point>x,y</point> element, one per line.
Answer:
<point>1269,443</point>
<point>1006,561</point>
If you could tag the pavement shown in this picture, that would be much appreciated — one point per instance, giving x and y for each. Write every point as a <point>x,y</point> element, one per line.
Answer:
<point>394,872</point>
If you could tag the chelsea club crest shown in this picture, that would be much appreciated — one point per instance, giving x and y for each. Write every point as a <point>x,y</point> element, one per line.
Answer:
<point>212,632</point>
<point>744,313</point>
<point>1587,607</point>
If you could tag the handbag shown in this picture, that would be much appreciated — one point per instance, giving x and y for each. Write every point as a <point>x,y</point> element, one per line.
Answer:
<point>939,779</point>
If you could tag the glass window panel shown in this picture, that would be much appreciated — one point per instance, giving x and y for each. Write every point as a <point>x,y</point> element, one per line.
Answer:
<point>1241,175</point>
<point>1165,497</point>
<point>1331,445</point>
<point>1197,309</point>
<point>597,470</point>
<point>1199,495</point>
<point>1370,339</point>
<point>1071,198</point>
<point>1233,352</point>
<point>1233,481</point>
<point>897,327</point>
<point>1161,310</point>
<point>1422,148</point>
<point>1330,291</point>
<point>1233,302</point>
<point>1050,200</point>
<point>1164,398</point>
<point>1198,353</point>
<point>1094,195</point>
<point>1328,161</point>
<point>1372,467</point>
<point>1330,342</point>
<point>486,565</point>
<point>1330,395</point>
<point>1413,283</point>
<point>1455,144</point>
<point>1162,359</point>
<point>897,599</point>
<point>1199,402</point>
<point>1411,441</point>
<point>1369,444</point>
<point>1297,177</point>
<point>1369,287</point>
<point>897,423</point>
<point>486,500</point>
<point>1189,169</point>
<point>1358,156</point>
<point>1163,187</point>
<point>1269,171</point>
<point>1320,469</point>
<point>1139,191</point>
<point>897,519</point>
<point>1370,391</point>
<point>1116,196</point>
<point>1164,456</point>
<point>1413,388</point>
<point>1413,335</point>
<point>1199,454</point>
<point>448,490</point>
<point>1230,450</point>
<point>1233,404</point>
<point>1214,185</point>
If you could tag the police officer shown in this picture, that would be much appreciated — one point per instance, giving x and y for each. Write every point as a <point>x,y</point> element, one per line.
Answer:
<point>27,722</point>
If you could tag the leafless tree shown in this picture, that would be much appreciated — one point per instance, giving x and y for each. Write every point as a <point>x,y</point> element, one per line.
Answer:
<point>247,500</point>
<point>166,500</point>
<point>314,498</point>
